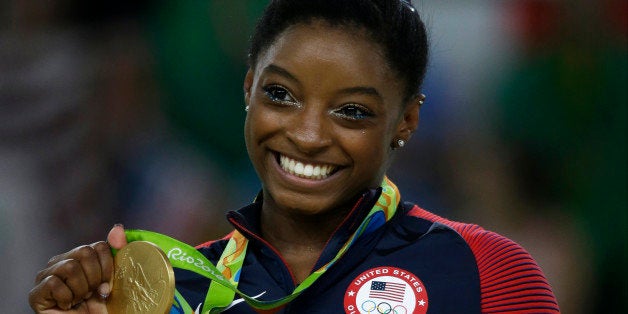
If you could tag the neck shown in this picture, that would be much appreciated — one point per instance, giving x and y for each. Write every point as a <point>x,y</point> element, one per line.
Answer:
<point>299,238</point>
<point>287,230</point>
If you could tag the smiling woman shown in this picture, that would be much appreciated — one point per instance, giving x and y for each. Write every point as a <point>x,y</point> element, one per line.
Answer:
<point>332,90</point>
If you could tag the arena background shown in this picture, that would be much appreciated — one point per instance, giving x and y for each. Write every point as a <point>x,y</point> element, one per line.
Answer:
<point>117,111</point>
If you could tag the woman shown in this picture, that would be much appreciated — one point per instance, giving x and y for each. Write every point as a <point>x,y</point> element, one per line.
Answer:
<point>333,89</point>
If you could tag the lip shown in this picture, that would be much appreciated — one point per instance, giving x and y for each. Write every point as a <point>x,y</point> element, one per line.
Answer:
<point>294,180</point>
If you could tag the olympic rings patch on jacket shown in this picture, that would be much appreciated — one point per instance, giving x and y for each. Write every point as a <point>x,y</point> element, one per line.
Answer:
<point>386,290</point>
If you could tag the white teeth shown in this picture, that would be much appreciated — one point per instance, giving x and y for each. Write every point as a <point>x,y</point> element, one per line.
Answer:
<point>308,171</point>
<point>299,168</point>
<point>316,171</point>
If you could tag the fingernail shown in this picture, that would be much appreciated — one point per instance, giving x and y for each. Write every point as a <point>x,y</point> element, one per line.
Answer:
<point>104,289</point>
<point>119,225</point>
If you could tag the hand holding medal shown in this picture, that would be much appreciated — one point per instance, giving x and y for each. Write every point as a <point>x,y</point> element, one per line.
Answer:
<point>88,280</point>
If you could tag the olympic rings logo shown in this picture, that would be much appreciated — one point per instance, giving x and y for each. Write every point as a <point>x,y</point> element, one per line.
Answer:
<point>382,308</point>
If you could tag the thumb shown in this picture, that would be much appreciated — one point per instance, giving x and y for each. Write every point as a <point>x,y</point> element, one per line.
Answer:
<point>116,237</point>
<point>117,240</point>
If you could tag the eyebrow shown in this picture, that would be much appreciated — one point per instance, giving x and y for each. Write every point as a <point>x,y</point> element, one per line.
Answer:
<point>272,68</point>
<point>359,90</point>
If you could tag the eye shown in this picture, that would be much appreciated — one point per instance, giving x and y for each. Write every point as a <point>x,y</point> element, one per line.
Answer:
<point>352,112</point>
<point>279,94</point>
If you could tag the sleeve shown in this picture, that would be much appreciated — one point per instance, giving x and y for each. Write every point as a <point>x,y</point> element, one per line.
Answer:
<point>510,279</point>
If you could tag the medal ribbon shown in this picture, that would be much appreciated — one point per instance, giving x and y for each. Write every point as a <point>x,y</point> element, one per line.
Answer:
<point>226,274</point>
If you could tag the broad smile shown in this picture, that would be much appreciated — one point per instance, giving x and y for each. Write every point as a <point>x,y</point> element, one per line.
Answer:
<point>306,170</point>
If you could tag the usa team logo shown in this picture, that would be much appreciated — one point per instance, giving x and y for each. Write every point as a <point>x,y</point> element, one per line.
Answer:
<point>386,290</point>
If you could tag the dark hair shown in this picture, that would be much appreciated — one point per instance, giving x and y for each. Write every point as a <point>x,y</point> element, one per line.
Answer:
<point>394,24</point>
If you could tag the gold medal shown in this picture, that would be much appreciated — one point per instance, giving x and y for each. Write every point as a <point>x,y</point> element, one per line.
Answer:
<point>143,280</point>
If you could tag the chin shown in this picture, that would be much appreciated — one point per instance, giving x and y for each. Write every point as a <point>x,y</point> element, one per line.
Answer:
<point>306,204</point>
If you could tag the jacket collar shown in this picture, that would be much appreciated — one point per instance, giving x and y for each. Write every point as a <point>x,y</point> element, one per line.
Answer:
<point>247,221</point>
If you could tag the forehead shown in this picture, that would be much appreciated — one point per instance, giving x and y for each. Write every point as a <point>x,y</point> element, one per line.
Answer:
<point>348,50</point>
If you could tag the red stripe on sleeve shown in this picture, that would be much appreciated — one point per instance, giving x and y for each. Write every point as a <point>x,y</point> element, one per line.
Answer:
<point>510,279</point>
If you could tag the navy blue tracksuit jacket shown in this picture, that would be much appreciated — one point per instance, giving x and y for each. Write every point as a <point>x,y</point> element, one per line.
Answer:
<point>415,263</point>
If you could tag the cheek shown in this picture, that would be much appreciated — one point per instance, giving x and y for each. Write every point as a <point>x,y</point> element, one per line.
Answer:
<point>259,126</point>
<point>248,128</point>
<point>251,133</point>
<point>368,150</point>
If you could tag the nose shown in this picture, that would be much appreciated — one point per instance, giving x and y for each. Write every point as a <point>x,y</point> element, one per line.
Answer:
<point>309,130</point>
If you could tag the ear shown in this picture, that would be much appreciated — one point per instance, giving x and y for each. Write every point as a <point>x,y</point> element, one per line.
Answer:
<point>248,84</point>
<point>409,121</point>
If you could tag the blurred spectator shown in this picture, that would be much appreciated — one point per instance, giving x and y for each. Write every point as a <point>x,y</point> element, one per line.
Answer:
<point>82,143</point>
<point>53,179</point>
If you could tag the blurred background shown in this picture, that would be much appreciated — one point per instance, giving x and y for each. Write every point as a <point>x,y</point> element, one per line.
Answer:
<point>132,112</point>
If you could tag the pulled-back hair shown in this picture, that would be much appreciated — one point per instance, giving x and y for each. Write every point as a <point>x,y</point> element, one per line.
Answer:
<point>393,24</point>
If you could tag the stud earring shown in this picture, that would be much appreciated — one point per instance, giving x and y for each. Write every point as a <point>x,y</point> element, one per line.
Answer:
<point>246,108</point>
<point>398,144</point>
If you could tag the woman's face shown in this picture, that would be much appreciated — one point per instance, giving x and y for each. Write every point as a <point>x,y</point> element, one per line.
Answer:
<point>324,108</point>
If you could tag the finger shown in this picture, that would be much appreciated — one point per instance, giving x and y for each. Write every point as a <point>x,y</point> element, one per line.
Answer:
<point>116,237</point>
<point>105,259</point>
<point>117,240</point>
<point>50,293</point>
<point>96,305</point>
<point>106,267</point>
<point>89,259</point>
<point>42,274</point>
<point>57,258</point>
<point>76,279</point>
<point>72,273</point>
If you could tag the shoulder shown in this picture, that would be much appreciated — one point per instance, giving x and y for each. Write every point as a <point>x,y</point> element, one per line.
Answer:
<point>510,279</point>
